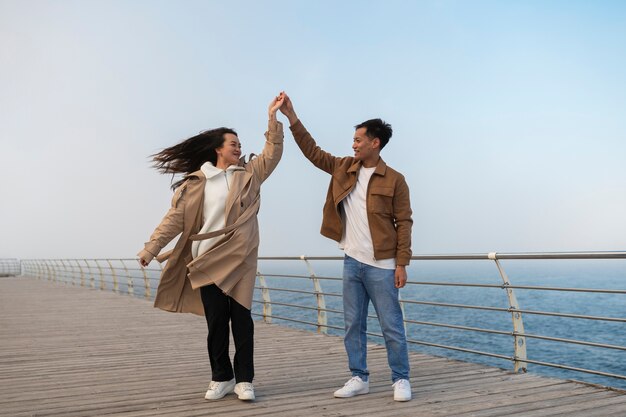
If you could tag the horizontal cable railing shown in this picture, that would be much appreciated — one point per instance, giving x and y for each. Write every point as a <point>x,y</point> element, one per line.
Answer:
<point>288,296</point>
<point>123,276</point>
<point>519,356</point>
<point>9,267</point>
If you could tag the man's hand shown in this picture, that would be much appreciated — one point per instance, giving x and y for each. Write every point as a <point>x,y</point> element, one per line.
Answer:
<point>275,104</point>
<point>400,276</point>
<point>288,110</point>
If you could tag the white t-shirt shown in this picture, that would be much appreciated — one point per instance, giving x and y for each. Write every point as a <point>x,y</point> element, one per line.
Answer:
<point>214,210</point>
<point>356,241</point>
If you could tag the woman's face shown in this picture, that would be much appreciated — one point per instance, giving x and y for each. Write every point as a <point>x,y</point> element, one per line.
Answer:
<point>230,151</point>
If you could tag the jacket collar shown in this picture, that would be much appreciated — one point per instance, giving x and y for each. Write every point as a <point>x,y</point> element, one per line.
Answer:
<point>381,167</point>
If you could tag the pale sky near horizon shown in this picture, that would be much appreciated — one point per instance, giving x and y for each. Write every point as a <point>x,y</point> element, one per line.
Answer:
<point>509,117</point>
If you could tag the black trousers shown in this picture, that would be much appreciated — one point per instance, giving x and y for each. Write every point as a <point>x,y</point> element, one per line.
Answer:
<point>219,310</point>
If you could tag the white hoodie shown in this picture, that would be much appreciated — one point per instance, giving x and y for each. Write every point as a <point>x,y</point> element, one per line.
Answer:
<point>213,212</point>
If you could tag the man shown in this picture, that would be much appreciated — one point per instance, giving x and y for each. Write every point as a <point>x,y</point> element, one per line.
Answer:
<point>368,212</point>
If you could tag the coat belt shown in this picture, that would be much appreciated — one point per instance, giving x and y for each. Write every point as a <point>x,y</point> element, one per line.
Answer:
<point>245,216</point>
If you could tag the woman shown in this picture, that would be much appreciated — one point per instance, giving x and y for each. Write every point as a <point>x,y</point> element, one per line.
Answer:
<point>212,268</point>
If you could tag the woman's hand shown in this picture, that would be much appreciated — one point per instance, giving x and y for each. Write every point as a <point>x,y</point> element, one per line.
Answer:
<point>144,258</point>
<point>275,104</point>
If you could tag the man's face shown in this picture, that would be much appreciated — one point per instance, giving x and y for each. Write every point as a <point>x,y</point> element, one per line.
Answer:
<point>364,147</point>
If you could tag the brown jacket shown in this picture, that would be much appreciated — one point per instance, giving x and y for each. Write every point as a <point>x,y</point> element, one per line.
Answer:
<point>388,204</point>
<point>230,264</point>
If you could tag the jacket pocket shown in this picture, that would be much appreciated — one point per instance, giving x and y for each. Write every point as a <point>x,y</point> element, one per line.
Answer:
<point>381,200</point>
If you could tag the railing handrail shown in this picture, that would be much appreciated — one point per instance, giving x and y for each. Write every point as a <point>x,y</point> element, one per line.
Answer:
<point>478,256</point>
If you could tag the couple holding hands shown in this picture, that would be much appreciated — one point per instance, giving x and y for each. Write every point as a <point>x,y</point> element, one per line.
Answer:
<point>211,270</point>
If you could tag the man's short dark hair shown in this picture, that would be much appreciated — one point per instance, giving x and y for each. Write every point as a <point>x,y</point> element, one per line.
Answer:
<point>377,128</point>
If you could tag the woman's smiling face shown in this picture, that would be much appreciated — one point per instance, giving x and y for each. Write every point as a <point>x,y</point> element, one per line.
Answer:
<point>230,151</point>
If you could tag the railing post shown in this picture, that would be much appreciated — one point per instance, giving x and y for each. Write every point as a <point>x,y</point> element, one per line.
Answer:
<point>92,279</point>
<point>53,272</point>
<point>65,272</point>
<point>116,288</point>
<point>322,320</point>
<point>516,315</point>
<point>49,274</point>
<point>146,284</point>
<point>82,273</point>
<point>129,282</point>
<point>60,272</point>
<point>41,273</point>
<point>267,301</point>
<point>74,272</point>
<point>102,285</point>
<point>37,268</point>
<point>44,270</point>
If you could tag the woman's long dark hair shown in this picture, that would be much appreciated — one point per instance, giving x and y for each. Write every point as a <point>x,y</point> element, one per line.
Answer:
<point>189,155</point>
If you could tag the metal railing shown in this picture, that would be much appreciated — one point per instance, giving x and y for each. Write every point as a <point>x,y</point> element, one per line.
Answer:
<point>9,267</point>
<point>519,357</point>
<point>122,276</point>
<point>302,296</point>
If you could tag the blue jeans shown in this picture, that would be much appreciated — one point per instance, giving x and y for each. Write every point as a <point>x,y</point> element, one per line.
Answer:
<point>362,283</point>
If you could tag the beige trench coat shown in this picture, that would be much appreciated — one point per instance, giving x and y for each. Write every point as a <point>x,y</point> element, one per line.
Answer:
<point>231,263</point>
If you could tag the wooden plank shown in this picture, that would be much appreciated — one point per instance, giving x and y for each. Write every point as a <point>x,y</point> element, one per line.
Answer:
<point>528,406</point>
<point>603,407</point>
<point>71,351</point>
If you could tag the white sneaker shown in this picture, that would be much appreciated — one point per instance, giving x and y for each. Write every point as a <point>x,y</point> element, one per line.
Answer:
<point>402,390</point>
<point>245,391</point>
<point>217,389</point>
<point>354,386</point>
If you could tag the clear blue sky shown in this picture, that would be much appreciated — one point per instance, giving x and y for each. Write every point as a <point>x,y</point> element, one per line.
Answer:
<point>509,116</point>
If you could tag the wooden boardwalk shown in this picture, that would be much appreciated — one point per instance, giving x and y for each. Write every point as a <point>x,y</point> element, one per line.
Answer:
<point>70,351</point>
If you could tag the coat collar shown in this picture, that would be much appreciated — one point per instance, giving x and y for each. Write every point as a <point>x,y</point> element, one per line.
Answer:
<point>381,167</point>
